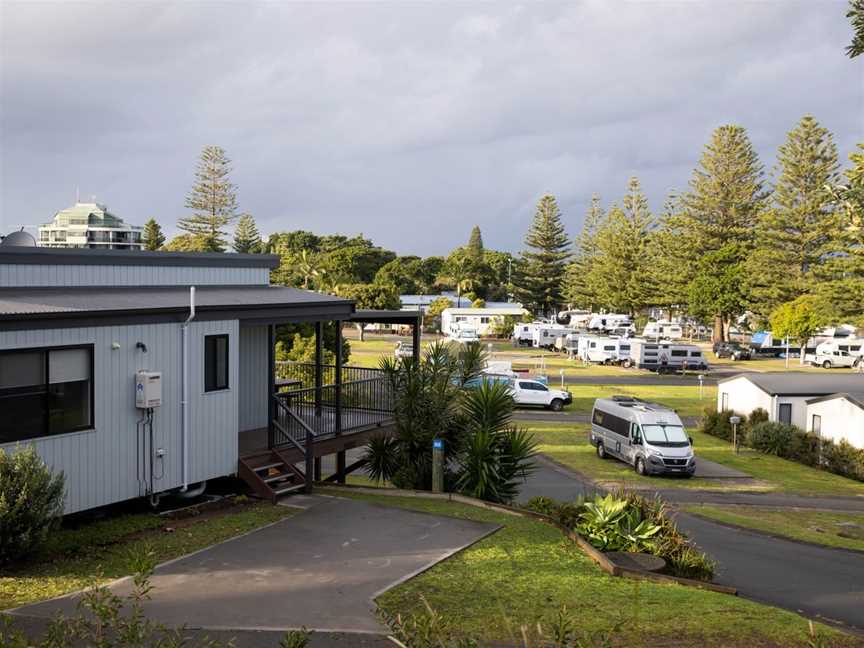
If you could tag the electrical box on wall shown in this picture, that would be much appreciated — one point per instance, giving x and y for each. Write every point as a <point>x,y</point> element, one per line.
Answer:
<point>148,389</point>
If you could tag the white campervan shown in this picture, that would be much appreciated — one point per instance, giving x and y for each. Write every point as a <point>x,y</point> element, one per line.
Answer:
<point>648,436</point>
<point>666,356</point>
<point>663,330</point>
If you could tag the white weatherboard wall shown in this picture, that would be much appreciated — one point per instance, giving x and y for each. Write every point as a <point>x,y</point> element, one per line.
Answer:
<point>841,419</point>
<point>743,396</point>
<point>32,276</point>
<point>101,465</point>
<point>254,377</point>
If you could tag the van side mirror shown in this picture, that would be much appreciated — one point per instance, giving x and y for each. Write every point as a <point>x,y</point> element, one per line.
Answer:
<point>691,440</point>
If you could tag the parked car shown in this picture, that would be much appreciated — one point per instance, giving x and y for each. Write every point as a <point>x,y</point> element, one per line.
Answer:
<point>534,393</point>
<point>830,359</point>
<point>732,350</point>
<point>648,436</point>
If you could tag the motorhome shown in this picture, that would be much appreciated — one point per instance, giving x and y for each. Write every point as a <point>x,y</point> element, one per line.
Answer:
<point>664,330</point>
<point>462,333</point>
<point>609,322</point>
<point>851,345</point>
<point>648,436</point>
<point>666,356</point>
<point>574,318</point>
<point>523,333</point>
<point>544,335</point>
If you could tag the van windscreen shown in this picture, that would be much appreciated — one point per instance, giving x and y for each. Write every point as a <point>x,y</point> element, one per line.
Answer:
<point>672,436</point>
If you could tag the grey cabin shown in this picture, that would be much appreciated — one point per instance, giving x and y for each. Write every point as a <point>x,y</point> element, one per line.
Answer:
<point>142,373</point>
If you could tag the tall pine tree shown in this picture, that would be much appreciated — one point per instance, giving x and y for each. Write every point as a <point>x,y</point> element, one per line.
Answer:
<point>580,290</point>
<point>544,260</point>
<point>669,259</point>
<point>247,240</point>
<point>801,229</point>
<point>721,210</point>
<point>213,200</point>
<point>620,269</point>
<point>475,245</point>
<point>152,237</point>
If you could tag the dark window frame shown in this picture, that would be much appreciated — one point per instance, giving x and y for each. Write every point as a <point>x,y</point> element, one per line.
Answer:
<point>217,386</point>
<point>784,407</point>
<point>46,385</point>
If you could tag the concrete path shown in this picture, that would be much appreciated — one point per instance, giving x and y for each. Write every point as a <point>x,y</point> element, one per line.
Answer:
<point>819,582</point>
<point>320,569</point>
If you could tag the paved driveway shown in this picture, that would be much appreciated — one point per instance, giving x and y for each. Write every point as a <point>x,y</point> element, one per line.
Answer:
<point>320,568</point>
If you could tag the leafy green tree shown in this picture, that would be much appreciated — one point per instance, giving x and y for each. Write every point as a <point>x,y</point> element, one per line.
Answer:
<point>722,207</point>
<point>580,290</point>
<point>844,288</point>
<point>719,289</point>
<point>855,14</point>
<point>187,243</point>
<point>247,240</point>
<point>292,242</point>
<point>497,271</point>
<point>463,273</point>
<point>803,228</point>
<point>619,271</point>
<point>475,245</point>
<point>355,263</point>
<point>544,261</point>
<point>800,319</point>
<point>153,237</point>
<point>370,297</point>
<point>213,200</point>
<point>301,269</point>
<point>406,273</point>
<point>433,313</point>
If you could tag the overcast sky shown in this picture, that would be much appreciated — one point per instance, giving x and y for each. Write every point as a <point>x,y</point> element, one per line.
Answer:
<point>408,122</point>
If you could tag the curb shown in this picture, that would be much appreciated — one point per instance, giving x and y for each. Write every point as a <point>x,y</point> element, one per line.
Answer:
<point>598,557</point>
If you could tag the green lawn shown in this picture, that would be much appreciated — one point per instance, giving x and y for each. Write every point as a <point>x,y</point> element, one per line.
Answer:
<point>568,443</point>
<point>100,551</point>
<point>821,527</point>
<point>524,573</point>
<point>684,400</point>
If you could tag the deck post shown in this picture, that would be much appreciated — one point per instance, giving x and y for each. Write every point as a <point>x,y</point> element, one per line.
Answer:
<point>271,384</point>
<point>319,361</point>
<point>309,474</point>
<point>317,469</point>
<point>415,338</point>
<point>338,378</point>
<point>340,467</point>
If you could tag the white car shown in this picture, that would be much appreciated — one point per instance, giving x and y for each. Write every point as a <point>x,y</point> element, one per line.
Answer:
<point>534,393</point>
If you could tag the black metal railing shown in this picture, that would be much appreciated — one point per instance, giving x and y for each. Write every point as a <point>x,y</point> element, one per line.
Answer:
<point>301,375</point>
<point>288,429</point>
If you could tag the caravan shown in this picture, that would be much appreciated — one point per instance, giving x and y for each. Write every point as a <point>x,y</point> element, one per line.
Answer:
<point>610,322</point>
<point>663,330</point>
<point>666,356</point>
<point>544,335</point>
<point>600,349</point>
<point>523,334</point>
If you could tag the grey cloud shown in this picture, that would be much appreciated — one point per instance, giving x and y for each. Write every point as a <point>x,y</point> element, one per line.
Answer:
<point>409,122</point>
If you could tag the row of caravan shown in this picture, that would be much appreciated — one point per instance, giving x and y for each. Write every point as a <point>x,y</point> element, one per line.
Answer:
<point>655,355</point>
<point>546,335</point>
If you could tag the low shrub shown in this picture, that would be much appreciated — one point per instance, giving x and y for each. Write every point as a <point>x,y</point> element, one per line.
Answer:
<point>612,523</point>
<point>31,503</point>
<point>717,424</point>
<point>758,415</point>
<point>843,459</point>
<point>806,448</point>
<point>543,505</point>
<point>771,438</point>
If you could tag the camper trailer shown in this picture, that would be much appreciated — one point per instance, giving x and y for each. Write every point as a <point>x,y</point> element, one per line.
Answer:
<point>663,330</point>
<point>666,356</point>
<point>609,322</point>
<point>600,349</point>
<point>523,334</point>
<point>544,335</point>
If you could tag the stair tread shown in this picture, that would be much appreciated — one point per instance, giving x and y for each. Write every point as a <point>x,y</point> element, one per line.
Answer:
<point>289,489</point>
<point>268,466</point>
<point>279,477</point>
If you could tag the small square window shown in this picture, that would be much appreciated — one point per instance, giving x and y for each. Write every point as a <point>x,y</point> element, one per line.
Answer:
<point>215,362</point>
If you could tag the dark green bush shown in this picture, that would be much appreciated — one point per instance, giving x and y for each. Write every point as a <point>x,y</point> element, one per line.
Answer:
<point>717,424</point>
<point>843,459</point>
<point>771,438</point>
<point>758,415</point>
<point>806,448</point>
<point>31,503</point>
<point>543,505</point>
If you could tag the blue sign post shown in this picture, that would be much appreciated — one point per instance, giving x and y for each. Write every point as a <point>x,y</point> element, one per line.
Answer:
<point>437,465</point>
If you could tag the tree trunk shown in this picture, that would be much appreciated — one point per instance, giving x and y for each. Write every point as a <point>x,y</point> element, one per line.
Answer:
<point>361,331</point>
<point>717,335</point>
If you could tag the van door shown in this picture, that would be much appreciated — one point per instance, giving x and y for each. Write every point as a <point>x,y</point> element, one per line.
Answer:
<point>632,448</point>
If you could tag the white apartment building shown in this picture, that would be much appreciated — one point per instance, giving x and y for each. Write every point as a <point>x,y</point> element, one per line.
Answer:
<point>90,225</point>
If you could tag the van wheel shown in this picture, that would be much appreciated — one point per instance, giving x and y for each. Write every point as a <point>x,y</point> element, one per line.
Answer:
<point>556,405</point>
<point>826,364</point>
<point>640,466</point>
<point>601,450</point>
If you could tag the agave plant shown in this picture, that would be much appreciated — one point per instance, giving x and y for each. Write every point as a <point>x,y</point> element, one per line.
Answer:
<point>611,523</point>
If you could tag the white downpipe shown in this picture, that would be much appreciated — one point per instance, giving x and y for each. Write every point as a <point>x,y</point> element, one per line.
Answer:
<point>184,396</point>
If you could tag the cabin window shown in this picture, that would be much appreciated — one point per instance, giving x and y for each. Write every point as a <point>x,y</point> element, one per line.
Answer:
<point>44,392</point>
<point>816,427</point>
<point>215,363</point>
<point>679,354</point>
<point>484,320</point>
<point>695,354</point>
<point>724,402</point>
<point>785,413</point>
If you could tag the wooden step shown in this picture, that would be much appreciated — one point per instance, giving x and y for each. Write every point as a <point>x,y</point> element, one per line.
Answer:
<point>270,476</point>
<point>289,489</point>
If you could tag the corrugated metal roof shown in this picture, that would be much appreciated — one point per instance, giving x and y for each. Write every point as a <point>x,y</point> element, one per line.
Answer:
<point>803,384</point>
<point>15,302</point>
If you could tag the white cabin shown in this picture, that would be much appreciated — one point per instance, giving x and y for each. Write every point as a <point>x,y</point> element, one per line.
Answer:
<point>838,417</point>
